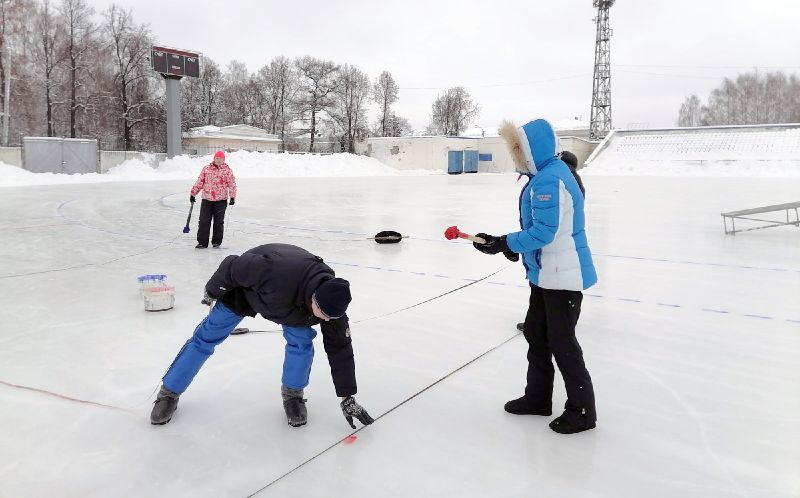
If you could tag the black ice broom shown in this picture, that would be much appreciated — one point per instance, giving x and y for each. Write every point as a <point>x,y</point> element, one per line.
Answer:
<point>188,219</point>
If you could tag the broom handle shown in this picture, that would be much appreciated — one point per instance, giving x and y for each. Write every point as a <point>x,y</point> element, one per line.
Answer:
<point>473,238</point>
<point>188,218</point>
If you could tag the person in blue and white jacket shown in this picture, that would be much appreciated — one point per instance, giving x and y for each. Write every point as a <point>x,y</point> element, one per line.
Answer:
<point>559,266</point>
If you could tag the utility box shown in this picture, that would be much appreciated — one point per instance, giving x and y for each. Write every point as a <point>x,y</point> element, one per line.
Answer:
<point>60,155</point>
<point>455,162</point>
<point>470,161</point>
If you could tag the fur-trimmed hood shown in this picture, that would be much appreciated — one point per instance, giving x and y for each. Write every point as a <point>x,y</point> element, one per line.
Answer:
<point>532,146</point>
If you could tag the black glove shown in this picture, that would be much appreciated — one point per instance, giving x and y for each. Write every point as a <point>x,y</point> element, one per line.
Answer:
<point>207,300</point>
<point>493,244</point>
<point>511,256</point>
<point>191,199</point>
<point>352,409</point>
<point>232,201</point>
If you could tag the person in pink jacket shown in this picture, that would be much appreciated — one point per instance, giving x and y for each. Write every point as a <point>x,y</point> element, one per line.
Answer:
<point>218,185</point>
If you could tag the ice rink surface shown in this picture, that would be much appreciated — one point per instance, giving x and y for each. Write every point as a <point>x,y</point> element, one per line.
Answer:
<point>692,338</point>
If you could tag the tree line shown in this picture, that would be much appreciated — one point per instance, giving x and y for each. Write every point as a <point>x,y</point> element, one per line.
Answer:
<point>751,98</point>
<point>77,73</point>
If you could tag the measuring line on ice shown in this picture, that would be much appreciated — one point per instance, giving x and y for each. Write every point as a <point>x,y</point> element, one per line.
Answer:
<point>348,438</point>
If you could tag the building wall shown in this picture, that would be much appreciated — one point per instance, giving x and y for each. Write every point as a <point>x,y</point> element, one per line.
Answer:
<point>417,152</point>
<point>431,152</point>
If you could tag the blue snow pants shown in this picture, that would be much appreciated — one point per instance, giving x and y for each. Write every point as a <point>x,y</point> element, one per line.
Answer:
<point>215,328</point>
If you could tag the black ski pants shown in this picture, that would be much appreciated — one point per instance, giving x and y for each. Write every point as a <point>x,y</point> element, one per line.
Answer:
<point>211,210</point>
<point>550,332</point>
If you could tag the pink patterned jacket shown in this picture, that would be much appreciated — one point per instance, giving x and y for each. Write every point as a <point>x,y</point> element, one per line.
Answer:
<point>216,182</point>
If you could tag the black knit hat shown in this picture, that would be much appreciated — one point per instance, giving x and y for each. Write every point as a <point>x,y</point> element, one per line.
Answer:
<point>569,158</point>
<point>333,296</point>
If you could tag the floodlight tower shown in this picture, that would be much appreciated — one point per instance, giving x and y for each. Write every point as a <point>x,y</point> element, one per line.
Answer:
<point>600,123</point>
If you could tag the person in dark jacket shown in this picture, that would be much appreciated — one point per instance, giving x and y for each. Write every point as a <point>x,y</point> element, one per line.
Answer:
<point>571,160</point>
<point>289,286</point>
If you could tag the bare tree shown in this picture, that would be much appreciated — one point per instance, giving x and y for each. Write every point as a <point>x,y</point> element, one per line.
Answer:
<point>48,35</point>
<point>130,48</point>
<point>385,92</point>
<point>79,39</point>
<point>314,96</point>
<point>351,95</point>
<point>234,96</point>
<point>752,98</point>
<point>279,81</point>
<point>202,97</point>
<point>397,126</point>
<point>453,111</point>
<point>689,114</point>
<point>14,31</point>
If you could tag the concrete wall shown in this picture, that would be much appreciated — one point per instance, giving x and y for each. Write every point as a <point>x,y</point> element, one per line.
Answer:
<point>108,158</point>
<point>581,147</point>
<point>11,156</point>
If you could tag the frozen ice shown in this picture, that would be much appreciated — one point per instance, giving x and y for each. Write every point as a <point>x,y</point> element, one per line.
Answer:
<point>691,337</point>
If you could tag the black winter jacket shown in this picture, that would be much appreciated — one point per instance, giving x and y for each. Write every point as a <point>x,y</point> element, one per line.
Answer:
<point>277,282</point>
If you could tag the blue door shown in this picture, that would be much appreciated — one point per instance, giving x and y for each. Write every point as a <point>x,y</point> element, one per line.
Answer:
<point>455,162</point>
<point>470,161</point>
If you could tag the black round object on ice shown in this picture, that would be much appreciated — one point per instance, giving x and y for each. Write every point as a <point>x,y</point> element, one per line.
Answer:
<point>388,237</point>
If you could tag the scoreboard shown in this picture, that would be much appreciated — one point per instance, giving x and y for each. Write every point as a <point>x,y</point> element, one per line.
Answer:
<point>174,62</point>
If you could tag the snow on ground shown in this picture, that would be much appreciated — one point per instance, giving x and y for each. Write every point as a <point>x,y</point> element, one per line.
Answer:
<point>244,164</point>
<point>611,166</point>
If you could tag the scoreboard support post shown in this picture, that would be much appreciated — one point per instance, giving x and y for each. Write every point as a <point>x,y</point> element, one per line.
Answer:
<point>174,147</point>
<point>174,64</point>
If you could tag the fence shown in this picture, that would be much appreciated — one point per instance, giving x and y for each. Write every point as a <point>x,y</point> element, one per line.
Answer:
<point>106,159</point>
<point>11,155</point>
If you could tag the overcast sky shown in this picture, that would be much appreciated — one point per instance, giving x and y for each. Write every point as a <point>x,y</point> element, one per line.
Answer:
<point>518,59</point>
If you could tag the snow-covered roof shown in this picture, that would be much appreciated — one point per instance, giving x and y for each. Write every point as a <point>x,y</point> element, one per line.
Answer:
<point>232,132</point>
<point>570,124</point>
<point>480,132</point>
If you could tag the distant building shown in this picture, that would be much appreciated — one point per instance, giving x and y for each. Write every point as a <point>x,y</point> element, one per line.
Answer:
<point>476,150</point>
<point>207,139</point>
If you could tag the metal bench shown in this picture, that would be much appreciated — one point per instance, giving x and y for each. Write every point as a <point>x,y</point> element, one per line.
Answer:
<point>745,214</point>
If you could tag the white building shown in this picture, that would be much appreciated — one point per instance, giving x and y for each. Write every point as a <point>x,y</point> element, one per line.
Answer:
<point>208,139</point>
<point>480,150</point>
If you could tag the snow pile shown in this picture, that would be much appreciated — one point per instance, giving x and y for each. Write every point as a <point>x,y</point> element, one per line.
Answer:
<point>629,167</point>
<point>12,176</point>
<point>244,164</point>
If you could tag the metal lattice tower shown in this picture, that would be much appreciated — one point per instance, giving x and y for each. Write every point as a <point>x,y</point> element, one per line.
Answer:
<point>600,123</point>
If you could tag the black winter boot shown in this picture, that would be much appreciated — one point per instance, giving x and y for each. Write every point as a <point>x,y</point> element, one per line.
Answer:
<point>165,405</point>
<point>521,326</point>
<point>524,406</point>
<point>571,423</point>
<point>295,406</point>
